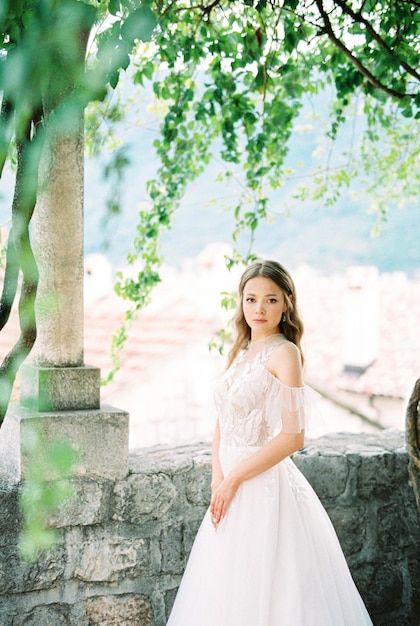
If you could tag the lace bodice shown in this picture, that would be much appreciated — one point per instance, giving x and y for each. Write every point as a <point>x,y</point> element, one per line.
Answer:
<point>252,404</point>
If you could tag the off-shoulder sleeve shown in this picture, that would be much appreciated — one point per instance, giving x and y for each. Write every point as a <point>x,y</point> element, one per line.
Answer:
<point>288,409</point>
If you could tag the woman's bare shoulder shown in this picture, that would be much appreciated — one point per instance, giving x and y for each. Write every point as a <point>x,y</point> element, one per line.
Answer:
<point>285,363</point>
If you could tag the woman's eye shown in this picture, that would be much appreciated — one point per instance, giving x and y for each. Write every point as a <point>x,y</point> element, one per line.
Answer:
<point>272,300</point>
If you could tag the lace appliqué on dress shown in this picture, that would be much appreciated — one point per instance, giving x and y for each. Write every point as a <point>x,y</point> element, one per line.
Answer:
<point>295,482</point>
<point>253,405</point>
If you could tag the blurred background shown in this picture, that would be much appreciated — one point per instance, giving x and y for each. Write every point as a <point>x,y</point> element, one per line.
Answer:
<point>358,292</point>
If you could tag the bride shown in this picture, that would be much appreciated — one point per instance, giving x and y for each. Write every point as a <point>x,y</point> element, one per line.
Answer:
<point>266,553</point>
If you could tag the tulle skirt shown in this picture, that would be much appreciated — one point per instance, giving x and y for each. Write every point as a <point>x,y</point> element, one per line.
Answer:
<point>274,560</point>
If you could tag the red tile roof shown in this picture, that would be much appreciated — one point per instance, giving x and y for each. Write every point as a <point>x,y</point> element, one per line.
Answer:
<point>397,364</point>
<point>185,311</point>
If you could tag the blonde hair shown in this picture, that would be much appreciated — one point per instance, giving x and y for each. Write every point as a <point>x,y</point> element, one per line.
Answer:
<point>292,327</point>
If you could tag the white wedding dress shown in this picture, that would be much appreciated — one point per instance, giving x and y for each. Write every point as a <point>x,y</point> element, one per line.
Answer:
<point>275,559</point>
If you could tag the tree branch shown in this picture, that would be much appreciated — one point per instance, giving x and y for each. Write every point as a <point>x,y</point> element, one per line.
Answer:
<point>413,439</point>
<point>5,131</point>
<point>328,30</point>
<point>358,18</point>
<point>10,283</point>
<point>21,256</point>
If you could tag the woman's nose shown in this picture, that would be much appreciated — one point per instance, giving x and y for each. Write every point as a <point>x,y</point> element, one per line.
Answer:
<point>260,307</point>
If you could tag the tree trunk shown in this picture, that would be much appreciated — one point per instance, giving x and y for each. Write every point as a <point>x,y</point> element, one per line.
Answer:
<point>413,440</point>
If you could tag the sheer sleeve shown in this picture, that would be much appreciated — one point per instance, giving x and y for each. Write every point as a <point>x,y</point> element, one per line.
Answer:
<point>288,409</point>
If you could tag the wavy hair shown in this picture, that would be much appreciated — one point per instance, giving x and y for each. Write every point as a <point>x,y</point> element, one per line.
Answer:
<point>292,327</point>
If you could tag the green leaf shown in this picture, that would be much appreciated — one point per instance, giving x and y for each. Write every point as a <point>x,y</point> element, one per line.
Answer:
<point>114,6</point>
<point>114,78</point>
<point>140,24</point>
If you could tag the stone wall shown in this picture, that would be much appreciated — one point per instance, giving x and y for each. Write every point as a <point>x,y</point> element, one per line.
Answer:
<point>122,545</point>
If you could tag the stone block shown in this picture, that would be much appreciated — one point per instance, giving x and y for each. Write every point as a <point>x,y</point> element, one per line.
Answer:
<point>170,460</point>
<point>119,610</point>
<point>7,613</point>
<point>46,389</point>
<point>383,586</point>
<point>189,534</point>
<point>401,466</point>
<point>375,474</point>
<point>106,556</point>
<point>350,525</point>
<point>10,449</point>
<point>197,488</point>
<point>395,525</point>
<point>98,437</point>
<point>142,497</point>
<point>328,476</point>
<point>89,503</point>
<point>47,615</point>
<point>17,575</point>
<point>395,619</point>
<point>10,514</point>
<point>169,601</point>
<point>414,573</point>
<point>171,547</point>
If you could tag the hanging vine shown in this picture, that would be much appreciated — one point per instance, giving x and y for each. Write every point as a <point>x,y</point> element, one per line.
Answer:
<point>233,77</point>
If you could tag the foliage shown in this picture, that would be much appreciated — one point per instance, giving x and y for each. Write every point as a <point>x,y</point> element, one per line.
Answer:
<point>45,85</point>
<point>233,77</point>
<point>237,74</point>
<point>44,490</point>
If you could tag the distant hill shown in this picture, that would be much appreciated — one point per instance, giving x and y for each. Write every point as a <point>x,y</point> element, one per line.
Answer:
<point>327,238</point>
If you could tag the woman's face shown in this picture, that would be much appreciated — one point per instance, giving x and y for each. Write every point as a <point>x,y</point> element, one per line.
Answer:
<point>263,304</point>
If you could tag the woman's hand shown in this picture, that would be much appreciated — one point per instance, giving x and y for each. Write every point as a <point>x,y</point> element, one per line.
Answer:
<point>222,496</point>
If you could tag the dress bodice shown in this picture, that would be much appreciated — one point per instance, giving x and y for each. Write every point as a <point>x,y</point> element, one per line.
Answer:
<point>252,404</point>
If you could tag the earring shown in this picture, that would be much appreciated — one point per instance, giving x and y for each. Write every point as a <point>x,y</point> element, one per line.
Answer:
<point>283,319</point>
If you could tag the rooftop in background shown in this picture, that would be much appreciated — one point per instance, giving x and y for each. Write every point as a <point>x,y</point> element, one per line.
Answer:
<point>167,369</point>
<point>167,372</point>
<point>387,315</point>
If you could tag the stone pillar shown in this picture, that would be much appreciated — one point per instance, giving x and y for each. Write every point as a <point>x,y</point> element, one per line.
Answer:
<point>57,238</point>
<point>58,378</point>
<point>60,395</point>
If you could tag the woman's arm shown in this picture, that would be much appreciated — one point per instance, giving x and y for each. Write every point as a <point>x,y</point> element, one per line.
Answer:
<point>280,447</point>
<point>285,364</point>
